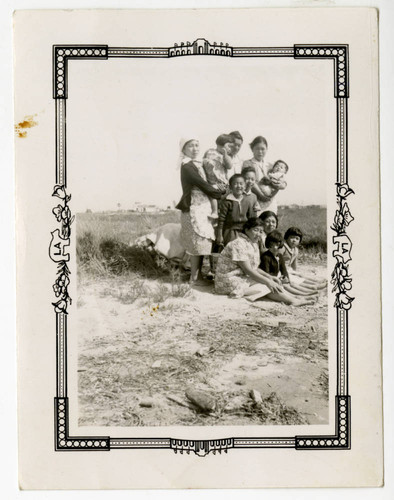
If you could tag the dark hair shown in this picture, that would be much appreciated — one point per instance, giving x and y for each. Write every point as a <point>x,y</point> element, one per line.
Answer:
<point>283,163</point>
<point>251,223</point>
<point>274,237</point>
<point>267,214</point>
<point>293,231</point>
<point>224,139</point>
<point>248,169</point>
<point>257,140</point>
<point>236,135</point>
<point>233,178</point>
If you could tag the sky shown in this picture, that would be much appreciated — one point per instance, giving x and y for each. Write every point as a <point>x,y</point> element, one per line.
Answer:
<point>125,118</point>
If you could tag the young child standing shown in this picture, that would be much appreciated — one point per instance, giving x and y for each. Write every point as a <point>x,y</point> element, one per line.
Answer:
<point>249,175</point>
<point>216,163</point>
<point>234,210</point>
<point>289,251</point>
<point>273,263</point>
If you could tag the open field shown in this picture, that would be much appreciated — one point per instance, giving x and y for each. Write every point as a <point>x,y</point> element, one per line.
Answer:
<point>103,239</point>
<point>146,339</point>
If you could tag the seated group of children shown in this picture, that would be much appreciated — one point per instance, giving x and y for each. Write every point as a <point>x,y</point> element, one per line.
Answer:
<point>281,253</point>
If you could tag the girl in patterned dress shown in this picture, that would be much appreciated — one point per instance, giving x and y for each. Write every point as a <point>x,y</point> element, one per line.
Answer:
<point>293,238</point>
<point>217,163</point>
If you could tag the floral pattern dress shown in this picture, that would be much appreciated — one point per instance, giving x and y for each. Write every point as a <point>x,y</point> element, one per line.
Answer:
<point>229,278</point>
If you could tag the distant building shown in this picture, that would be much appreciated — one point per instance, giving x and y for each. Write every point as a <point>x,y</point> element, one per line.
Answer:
<point>200,46</point>
<point>143,207</point>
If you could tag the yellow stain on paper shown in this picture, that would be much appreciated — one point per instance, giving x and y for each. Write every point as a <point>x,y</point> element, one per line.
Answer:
<point>28,122</point>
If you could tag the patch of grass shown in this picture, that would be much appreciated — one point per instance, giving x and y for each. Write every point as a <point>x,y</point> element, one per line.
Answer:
<point>129,288</point>
<point>104,242</point>
<point>273,411</point>
<point>312,220</point>
<point>124,227</point>
<point>323,382</point>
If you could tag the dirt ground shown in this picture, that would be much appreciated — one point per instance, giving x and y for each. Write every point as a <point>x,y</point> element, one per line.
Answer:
<point>137,359</point>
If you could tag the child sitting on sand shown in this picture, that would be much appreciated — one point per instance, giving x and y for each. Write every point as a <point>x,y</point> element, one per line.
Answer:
<point>234,210</point>
<point>273,263</point>
<point>216,163</point>
<point>289,251</point>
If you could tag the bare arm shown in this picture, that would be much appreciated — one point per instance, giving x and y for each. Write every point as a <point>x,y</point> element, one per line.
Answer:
<point>227,162</point>
<point>273,278</point>
<point>282,267</point>
<point>260,195</point>
<point>278,184</point>
<point>191,173</point>
<point>259,277</point>
<point>294,264</point>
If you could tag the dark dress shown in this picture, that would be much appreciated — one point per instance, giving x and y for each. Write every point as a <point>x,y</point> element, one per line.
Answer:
<point>190,177</point>
<point>197,233</point>
<point>273,265</point>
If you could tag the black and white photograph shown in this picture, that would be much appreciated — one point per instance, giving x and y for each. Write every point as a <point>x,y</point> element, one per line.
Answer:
<point>202,253</point>
<point>206,206</point>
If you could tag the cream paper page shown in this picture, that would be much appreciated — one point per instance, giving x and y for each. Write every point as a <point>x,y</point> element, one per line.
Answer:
<point>129,380</point>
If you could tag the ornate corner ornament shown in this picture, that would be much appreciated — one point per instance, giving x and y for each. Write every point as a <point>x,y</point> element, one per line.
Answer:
<point>341,279</point>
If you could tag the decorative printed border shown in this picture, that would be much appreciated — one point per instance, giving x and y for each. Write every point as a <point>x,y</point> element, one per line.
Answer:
<point>340,278</point>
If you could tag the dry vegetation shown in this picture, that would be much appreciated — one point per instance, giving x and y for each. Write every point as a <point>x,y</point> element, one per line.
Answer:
<point>147,339</point>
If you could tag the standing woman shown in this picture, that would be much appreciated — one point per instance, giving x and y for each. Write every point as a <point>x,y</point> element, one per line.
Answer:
<point>235,159</point>
<point>197,232</point>
<point>259,148</point>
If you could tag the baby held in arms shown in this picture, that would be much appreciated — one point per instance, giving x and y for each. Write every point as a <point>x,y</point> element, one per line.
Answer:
<point>275,179</point>
<point>216,163</point>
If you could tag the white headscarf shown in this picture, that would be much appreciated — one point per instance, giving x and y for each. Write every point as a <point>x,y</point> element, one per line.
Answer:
<point>182,157</point>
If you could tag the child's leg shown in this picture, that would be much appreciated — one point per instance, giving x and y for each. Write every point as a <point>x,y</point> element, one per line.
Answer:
<point>255,292</point>
<point>306,281</point>
<point>298,290</point>
<point>314,284</point>
<point>214,208</point>
<point>289,299</point>
<point>196,277</point>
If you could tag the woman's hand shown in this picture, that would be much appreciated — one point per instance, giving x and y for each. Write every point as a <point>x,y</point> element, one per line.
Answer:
<point>219,241</point>
<point>260,277</point>
<point>274,287</point>
<point>278,184</point>
<point>222,187</point>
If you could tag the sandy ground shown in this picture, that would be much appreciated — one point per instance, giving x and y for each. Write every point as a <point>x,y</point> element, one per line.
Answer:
<point>136,357</point>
